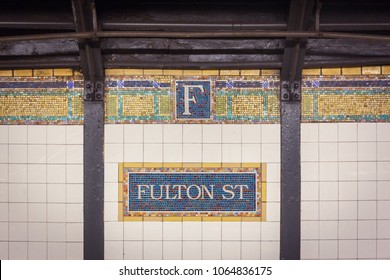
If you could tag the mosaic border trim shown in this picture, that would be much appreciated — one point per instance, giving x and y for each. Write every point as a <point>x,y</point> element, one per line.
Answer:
<point>261,168</point>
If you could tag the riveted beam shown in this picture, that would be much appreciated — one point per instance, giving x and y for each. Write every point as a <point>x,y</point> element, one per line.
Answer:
<point>290,122</point>
<point>84,13</point>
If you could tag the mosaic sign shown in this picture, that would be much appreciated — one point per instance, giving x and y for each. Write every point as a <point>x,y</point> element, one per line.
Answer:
<point>191,191</point>
<point>193,100</point>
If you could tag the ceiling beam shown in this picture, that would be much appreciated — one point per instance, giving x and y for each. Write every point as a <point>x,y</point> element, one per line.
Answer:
<point>84,13</point>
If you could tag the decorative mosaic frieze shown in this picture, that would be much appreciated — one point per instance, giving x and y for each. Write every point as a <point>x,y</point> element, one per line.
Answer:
<point>201,99</point>
<point>341,98</point>
<point>213,98</point>
<point>41,100</point>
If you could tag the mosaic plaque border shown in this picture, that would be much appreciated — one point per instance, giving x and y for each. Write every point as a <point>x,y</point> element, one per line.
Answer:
<point>258,215</point>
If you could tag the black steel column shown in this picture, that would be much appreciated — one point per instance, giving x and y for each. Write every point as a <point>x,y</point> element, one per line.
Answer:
<point>290,122</point>
<point>84,13</point>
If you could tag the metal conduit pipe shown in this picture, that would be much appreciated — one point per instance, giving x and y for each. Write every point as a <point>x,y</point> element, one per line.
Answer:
<point>196,35</point>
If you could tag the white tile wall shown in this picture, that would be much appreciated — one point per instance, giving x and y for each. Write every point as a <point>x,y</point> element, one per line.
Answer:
<point>41,192</point>
<point>192,143</point>
<point>349,185</point>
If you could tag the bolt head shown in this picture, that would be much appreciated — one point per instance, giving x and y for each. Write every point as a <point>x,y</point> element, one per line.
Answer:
<point>285,96</point>
<point>296,96</point>
<point>285,86</point>
<point>88,96</point>
<point>98,96</point>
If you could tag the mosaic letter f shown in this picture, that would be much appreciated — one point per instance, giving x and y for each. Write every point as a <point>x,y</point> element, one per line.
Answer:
<point>193,99</point>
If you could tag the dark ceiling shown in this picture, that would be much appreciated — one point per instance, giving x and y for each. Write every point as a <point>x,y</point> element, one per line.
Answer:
<point>159,18</point>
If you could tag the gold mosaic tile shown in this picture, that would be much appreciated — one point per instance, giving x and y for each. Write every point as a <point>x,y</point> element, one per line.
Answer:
<point>307,104</point>
<point>221,105</point>
<point>247,105</point>
<point>331,71</point>
<point>5,73</point>
<point>115,72</point>
<point>23,73</point>
<point>112,106</point>
<point>43,72</point>
<point>352,105</point>
<point>172,72</point>
<point>386,70</point>
<point>273,106</point>
<point>351,71</point>
<point>153,72</point>
<point>192,72</point>
<point>311,72</point>
<point>250,72</point>
<point>270,72</point>
<point>229,72</point>
<point>210,72</point>
<point>372,70</point>
<point>133,72</point>
<point>136,105</point>
<point>163,105</point>
<point>34,106</point>
<point>63,72</point>
<point>77,106</point>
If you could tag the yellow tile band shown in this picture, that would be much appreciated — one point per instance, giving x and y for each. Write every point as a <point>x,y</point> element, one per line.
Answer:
<point>192,72</point>
<point>152,164</point>
<point>133,164</point>
<point>172,219</point>
<point>133,219</point>
<point>153,219</point>
<point>229,72</point>
<point>231,219</point>
<point>192,219</point>
<point>153,72</point>
<point>212,219</point>
<point>210,72</point>
<point>133,72</point>
<point>172,165</point>
<point>192,165</point>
